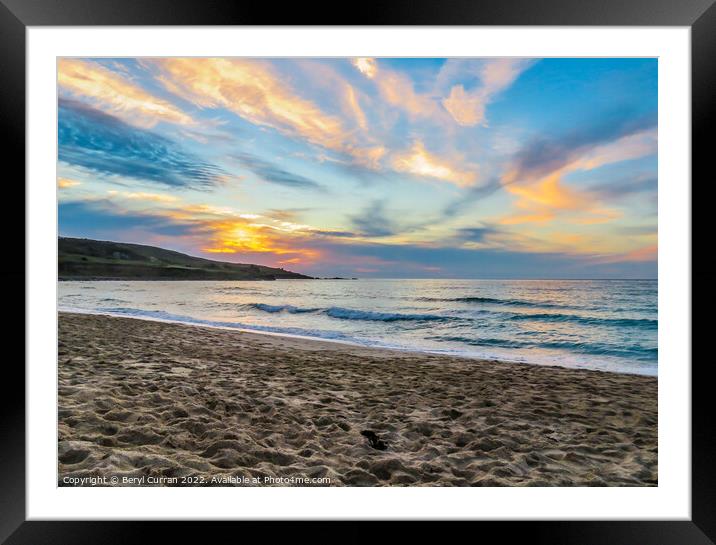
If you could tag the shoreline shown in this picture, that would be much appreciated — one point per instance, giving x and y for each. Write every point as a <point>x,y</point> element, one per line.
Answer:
<point>229,328</point>
<point>155,402</point>
<point>308,338</point>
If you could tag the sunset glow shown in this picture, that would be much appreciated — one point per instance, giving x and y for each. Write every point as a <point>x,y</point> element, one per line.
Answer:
<point>480,168</point>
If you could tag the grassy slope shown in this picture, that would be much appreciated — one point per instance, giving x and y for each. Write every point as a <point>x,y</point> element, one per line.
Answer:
<point>83,258</point>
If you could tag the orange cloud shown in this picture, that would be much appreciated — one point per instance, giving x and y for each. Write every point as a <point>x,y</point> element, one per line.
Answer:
<point>420,162</point>
<point>548,192</point>
<point>225,231</point>
<point>65,183</point>
<point>236,236</point>
<point>369,157</point>
<point>233,236</point>
<point>465,109</point>
<point>113,94</point>
<point>397,90</point>
<point>644,253</point>
<point>545,197</point>
<point>355,108</point>
<point>252,90</point>
<point>543,200</point>
<point>468,108</point>
<point>366,66</point>
<point>647,253</point>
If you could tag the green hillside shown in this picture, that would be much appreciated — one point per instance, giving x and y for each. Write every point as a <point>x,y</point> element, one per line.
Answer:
<point>80,258</point>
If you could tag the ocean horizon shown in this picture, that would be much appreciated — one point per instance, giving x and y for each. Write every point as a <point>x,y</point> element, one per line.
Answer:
<point>607,325</point>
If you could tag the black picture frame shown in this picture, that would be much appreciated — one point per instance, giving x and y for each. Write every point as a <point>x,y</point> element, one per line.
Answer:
<point>16,15</point>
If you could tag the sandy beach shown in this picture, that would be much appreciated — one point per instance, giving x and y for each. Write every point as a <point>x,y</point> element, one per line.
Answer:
<point>154,403</point>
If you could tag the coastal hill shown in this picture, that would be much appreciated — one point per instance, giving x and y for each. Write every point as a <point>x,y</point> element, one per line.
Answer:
<point>81,258</point>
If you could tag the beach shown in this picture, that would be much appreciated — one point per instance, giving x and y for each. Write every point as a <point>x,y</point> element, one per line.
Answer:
<point>156,403</point>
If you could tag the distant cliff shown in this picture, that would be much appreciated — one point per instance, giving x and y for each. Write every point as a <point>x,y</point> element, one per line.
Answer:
<point>84,259</point>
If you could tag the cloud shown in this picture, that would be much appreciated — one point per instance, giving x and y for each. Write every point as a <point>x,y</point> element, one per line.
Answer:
<point>339,234</point>
<point>373,221</point>
<point>475,234</point>
<point>648,253</point>
<point>536,177</point>
<point>271,173</point>
<point>105,144</point>
<point>467,108</point>
<point>420,162</point>
<point>111,93</point>
<point>376,221</point>
<point>638,230</point>
<point>201,228</point>
<point>366,66</point>
<point>397,90</point>
<point>627,186</point>
<point>102,218</point>
<point>386,126</point>
<point>354,107</point>
<point>534,174</point>
<point>468,197</point>
<point>66,183</point>
<point>419,261</point>
<point>624,148</point>
<point>287,214</point>
<point>541,202</point>
<point>252,90</point>
<point>206,230</point>
<point>499,74</point>
<point>108,220</point>
<point>584,148</point>
<point>144,196</point>
<point>369,157</point>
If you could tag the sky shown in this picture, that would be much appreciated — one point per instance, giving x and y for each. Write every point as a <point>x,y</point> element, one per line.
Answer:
<point>367,167</point>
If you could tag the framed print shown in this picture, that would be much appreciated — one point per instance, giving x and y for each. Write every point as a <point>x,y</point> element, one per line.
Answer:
<point>423,265</point>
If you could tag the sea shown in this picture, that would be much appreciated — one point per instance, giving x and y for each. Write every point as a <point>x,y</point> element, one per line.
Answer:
<point>609,325</point>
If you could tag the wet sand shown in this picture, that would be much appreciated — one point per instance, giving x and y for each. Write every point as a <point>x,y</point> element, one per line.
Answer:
<point>153,403</point>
